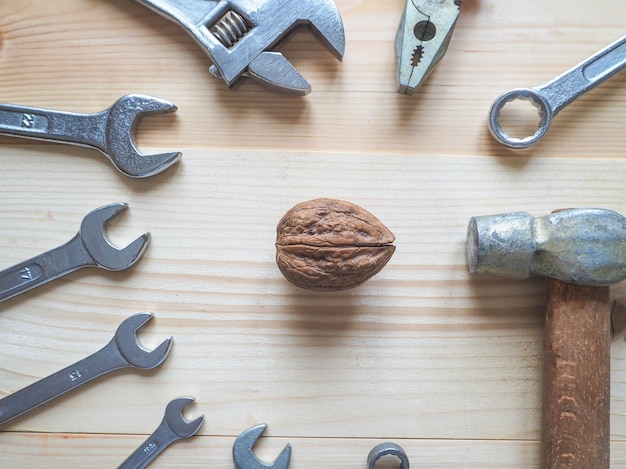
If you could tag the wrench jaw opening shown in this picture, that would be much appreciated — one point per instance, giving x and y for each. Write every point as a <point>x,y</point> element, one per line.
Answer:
<point>103,253</point>
<point>244,457</point>
<point>122,121</point>
<point>131,349</point>
<point>181,427</point>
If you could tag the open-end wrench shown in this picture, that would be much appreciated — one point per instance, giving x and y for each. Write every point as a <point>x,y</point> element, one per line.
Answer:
<point>89,248</point>
<point>121,352</point>
<point>244,457</point>
<point>173,427</point>
<point>110,131</point>
<point>240,35</point>
<point>552,97</point>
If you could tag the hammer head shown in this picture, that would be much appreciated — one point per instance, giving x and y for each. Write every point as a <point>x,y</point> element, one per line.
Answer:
<point>580,246</point>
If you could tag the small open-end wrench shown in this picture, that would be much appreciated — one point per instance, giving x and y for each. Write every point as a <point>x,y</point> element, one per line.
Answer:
<point>89,248</point>
<point>173,427</point>
<point>552,97</point>
<point>244,457</point>
<point>240,35</point>
<point>110,131</point>
<point>122,351</point>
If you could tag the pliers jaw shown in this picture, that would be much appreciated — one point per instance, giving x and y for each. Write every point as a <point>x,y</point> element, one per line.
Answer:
<point>422,39</point>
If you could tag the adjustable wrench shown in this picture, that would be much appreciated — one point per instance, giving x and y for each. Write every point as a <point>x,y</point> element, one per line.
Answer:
<point>110,131</point>
<point>239,35</point>
<point>173,427</point>
<point>121,352</point>
<point>244,457</point>
<point>89,248</point>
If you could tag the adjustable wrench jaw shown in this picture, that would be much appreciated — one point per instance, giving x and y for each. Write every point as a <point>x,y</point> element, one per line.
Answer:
<point>240,35</point>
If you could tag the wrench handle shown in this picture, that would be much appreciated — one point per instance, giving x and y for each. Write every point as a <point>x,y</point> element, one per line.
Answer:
<point>53,126</point>
<point>150,449</point>
<point>576,386</point>
<point>585,76</point>
<point>43,268</point>
<point>105,360</point>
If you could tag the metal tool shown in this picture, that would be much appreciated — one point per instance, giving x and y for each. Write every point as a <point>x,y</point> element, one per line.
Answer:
<point>580,246</point>
<point>173,427</point>
<point>244,457</point>
<point>552,97</point>
<point>422,39</point>
<point>110,131</point>
<point>581,252</point>
<point>240,35</point>
<point>384,449</point>
<point>89,248</point>
<point>122,351</point>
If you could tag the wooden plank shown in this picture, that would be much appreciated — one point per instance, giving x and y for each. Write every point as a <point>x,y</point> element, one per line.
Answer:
<point>83,54</point>
<point>98,451</point>
<point>420,351</point>
<point>446,364</point>
<point>51,451</point>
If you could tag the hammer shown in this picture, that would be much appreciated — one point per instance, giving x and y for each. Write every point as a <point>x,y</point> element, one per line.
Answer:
<point>581,252</point>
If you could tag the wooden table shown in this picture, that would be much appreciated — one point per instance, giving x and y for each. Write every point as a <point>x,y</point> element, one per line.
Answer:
<point>445,364</point>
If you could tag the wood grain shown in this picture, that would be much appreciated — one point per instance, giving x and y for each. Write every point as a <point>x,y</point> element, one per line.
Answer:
<point>577,377</point>
<point>446,364</point>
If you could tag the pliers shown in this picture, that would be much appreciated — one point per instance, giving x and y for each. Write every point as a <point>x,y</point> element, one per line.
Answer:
<point>422,39</point>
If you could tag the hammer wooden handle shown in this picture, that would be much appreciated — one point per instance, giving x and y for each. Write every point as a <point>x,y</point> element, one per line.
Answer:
<point>576,385</point>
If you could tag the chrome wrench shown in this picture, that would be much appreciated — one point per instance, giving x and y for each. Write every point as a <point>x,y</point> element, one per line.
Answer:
<point>110,131</point>
<point>121,352</point>
<point>552,97</point>
<point>386,449</point>
<point>89,248</point>
<point>243,454</point>
<point>173,427</point>
<point>240,36</point>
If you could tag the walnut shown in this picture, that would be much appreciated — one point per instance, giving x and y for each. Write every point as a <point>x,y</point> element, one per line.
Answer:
<point>329,244</point>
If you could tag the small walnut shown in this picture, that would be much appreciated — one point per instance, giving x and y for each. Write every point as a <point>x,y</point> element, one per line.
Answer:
<point>328,244</point>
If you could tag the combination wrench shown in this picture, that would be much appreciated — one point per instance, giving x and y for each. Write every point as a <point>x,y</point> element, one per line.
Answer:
<point>89,248</point>
<point>552,97</point>
<point>122,351</point>
<point>110,131</point>
<point>173,427</point>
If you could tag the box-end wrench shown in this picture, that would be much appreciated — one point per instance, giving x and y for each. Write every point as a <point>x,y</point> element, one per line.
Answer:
<point>173,427</point>
<point>552,97</point>
<point>89,248</point>
<point>122,351</point>
<point>110,131</point>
